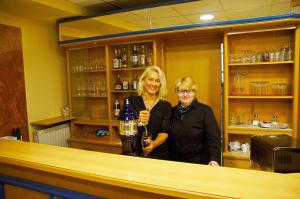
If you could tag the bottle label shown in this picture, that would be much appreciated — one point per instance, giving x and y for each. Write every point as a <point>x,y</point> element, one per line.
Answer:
<point>118,87</point>
<point>115,63</point>
<point>117,112</point>
<point>134,85</point>
<point>125,85</point>
<point>142,60</point>
<point>134,60</point>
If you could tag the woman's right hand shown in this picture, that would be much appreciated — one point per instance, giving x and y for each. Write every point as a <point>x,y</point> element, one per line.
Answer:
<point>144,116</point>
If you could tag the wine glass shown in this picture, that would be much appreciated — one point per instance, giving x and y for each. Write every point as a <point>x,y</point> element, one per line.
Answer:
<point>146,139</point>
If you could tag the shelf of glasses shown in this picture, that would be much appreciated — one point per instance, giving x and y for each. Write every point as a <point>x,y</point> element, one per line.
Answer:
<point>128,69</point>
<point>251,130</point>
<point>260,97</point>
<point>260,63</point>
<point>90,71</point>
<point>95,122</point>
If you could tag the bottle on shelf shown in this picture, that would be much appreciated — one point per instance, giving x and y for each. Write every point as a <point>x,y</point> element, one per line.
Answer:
<point>125,85</point>
<point>119,58</point>
<point>124,58</point>
<point>149,57</point>
<point>255,121</point>
<point>116,61</point>
<point>117,109</point>
<point>275,120</point>
<point>142,56</point>
<point>134,57</point>
<point>118,84</point>
<point>134,83</point>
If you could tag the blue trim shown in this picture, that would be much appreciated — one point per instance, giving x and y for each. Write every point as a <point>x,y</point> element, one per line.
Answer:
<point>220,23</point>
<point>2,196</point>
<point>52,191</point>
<point>125,10</point>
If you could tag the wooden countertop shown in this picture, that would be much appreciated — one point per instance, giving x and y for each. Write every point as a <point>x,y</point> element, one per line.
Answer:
<point>163,177</point>
<point>52,121</point>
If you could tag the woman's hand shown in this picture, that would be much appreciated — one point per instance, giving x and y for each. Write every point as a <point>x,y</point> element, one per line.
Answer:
<point>213,163</point>
<point>144,116</point>
<point>148,148</point>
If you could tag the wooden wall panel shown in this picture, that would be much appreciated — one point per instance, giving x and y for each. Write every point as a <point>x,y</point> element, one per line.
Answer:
<point>200,59</point>
<point>13,112</point>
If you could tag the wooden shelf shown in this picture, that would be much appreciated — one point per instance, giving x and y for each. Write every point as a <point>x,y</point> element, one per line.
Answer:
<point>115,123</point>
<point>97,142</point>
<point>91,122</point>
<point>237,155</point>
<point>128,69</point>
<point>52,121</point>
<point>93,71</point>
<point>259,97</point>
<point>98,96</point>
<point>123,91</point>
<point>260,63</point>
<point>257,130</point>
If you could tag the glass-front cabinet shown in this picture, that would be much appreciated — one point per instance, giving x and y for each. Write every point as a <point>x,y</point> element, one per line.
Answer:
<point>260,89</point>
<point>99,79</point>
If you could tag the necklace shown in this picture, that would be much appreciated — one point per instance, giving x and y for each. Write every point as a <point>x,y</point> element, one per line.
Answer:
<point>149,104</point>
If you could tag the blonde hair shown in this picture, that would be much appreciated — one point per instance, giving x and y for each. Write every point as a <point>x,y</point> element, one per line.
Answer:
<point>163,85</point>
<point>185,83</point>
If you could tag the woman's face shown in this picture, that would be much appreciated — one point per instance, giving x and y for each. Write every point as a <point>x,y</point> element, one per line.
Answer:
<point>151,83</point>
<point>185,96</point>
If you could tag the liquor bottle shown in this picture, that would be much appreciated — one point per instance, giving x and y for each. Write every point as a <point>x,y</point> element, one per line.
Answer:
<point>134,83</point>
<point>255,121</point>
<point>149,58</point>
<point>128,130</point>
<point>125,85</point>
<point>117,109</point>
<point>124,58</point>
<point>118,84</point>
<point>116,60</point>
<point>134,57</point>
<point>142,57</point>
<point>17,133</point>
<point>119,58</point>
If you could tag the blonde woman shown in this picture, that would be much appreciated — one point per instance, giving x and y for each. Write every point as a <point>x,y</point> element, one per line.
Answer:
<point>154,111</point>
<point>195,136</point>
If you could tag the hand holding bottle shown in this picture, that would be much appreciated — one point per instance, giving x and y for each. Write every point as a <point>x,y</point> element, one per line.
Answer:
<point>144,116</point>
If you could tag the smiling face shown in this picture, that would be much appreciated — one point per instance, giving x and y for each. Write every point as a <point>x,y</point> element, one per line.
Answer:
<point>185,96</point>
<point>151,83</point>
<point>185,89</point>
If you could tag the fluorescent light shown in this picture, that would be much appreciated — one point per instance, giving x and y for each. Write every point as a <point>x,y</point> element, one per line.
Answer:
<point>206,17</point>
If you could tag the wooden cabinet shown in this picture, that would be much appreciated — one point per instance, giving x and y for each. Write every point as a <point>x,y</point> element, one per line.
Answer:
<point>92,74</point>
<point>88,97</point>
<point>261,87</point>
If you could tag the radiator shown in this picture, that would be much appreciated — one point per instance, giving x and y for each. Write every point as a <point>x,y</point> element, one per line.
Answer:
<point>57,135</point>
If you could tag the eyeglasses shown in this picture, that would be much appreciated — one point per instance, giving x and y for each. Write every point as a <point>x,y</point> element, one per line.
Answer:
<point>186,92</point>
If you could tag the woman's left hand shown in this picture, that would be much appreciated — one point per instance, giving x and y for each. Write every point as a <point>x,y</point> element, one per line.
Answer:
<point>213,163</point>
<point>149,148</point>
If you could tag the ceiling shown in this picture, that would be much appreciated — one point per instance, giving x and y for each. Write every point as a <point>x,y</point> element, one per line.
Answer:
<point>49,10</point>
<point>188,13</point>
<point>141,19</point>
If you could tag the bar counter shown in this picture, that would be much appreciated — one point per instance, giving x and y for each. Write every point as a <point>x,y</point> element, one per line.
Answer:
<point>116,176</point>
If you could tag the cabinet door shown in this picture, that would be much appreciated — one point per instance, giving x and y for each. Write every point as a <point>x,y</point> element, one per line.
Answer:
<point>88,93</point>
<point>259,84</point>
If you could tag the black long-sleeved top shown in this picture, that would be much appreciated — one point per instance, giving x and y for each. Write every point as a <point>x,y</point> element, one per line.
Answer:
<point>195,136</point>
<point>159,122</point>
